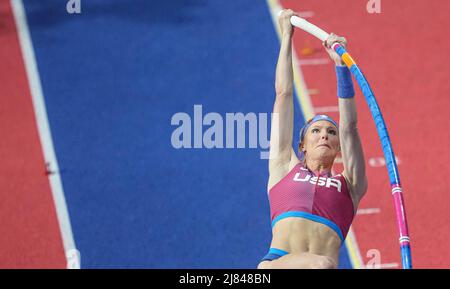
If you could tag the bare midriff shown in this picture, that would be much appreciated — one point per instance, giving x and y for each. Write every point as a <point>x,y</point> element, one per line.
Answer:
<point>299,235</point>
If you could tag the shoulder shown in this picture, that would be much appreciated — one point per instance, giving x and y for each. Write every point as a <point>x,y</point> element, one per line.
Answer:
<point>276,174</point>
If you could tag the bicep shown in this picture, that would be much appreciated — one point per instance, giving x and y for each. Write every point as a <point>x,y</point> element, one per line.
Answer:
<point>281,130</point>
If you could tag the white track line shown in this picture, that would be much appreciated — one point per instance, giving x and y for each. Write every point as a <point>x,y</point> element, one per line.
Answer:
<point>73,260</point>
<point>383,266</point>
<point>305,14</point>
<point>389,265</point>
<point>368,211</point>
<point>313,61</point>
<point>323,109</point>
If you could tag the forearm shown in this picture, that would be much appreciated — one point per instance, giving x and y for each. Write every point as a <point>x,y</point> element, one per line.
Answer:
<point>352,151</point>
<point>284,74</point>
<point>347,114</point>
<point>351,147</point>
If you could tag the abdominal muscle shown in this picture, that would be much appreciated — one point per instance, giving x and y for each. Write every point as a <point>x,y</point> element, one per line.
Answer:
<point>298,235</point>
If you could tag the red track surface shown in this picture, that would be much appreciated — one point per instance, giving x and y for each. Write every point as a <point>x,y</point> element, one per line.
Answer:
<point>30,235</point>
<point>403,52</point>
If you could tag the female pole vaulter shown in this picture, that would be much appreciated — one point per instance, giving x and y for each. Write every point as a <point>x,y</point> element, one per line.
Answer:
<point>311,209</point>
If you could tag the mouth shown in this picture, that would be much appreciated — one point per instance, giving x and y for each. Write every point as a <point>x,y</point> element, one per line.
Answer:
<point>324,145</point>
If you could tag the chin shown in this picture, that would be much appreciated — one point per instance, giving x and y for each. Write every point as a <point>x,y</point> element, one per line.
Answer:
<point>326,155</point>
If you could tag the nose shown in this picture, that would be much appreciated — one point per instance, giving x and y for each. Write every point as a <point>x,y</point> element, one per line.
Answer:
<point>324,135</point>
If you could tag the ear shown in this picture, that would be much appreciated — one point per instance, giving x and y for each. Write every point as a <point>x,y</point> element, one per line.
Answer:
<point>301,147</point>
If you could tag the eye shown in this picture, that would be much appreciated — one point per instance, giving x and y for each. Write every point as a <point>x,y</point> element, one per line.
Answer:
<point>314,129</point>
<point>332,131</point>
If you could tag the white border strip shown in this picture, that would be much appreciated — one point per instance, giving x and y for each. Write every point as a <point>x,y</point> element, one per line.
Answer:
<point>73,260</point>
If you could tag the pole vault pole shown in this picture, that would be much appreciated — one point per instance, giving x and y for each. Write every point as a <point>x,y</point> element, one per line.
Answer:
<point>391,164</point>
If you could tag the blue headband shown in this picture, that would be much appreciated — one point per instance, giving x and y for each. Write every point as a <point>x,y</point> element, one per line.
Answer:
<point>318,117</point>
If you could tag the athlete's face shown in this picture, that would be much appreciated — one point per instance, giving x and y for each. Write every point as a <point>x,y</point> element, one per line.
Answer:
<point>321,141</point>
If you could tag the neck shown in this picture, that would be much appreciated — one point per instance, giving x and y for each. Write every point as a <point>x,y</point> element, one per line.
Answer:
<point>319,165</point>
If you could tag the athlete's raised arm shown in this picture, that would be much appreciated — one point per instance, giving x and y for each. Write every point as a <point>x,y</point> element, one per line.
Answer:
<point>282,125</point>
<point>351,148</point>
